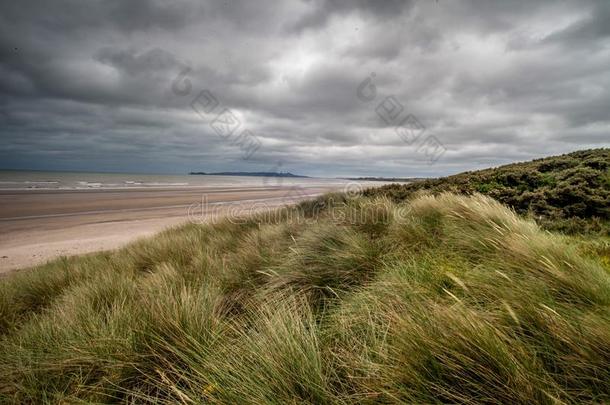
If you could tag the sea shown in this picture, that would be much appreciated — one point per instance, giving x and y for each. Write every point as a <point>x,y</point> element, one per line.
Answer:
<point>42,180</point>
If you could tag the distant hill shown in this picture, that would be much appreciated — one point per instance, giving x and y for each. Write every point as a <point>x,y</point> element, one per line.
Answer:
<point>256,174</point>
<point>569,193</point>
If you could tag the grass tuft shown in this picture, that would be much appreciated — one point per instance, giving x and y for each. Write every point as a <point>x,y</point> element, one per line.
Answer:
<point>438,299</point>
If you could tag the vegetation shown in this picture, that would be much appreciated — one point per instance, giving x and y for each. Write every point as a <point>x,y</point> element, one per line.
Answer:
<point>568,193</point>
<point>438,299</point>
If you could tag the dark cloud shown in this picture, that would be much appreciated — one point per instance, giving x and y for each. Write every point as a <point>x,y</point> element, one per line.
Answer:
<point>588,31</point>
<point>70,17</point>
<point>88,85</point>
<point>133,63</point>
<point>322,10</point>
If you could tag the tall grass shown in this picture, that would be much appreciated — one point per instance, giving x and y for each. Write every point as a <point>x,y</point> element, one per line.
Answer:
<point>445,298</point>
<point>568,193</point>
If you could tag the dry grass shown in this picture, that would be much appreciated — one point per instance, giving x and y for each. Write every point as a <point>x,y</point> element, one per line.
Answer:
<point>445,298</point>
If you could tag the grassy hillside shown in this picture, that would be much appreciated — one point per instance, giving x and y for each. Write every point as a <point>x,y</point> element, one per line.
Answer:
<point>568,193</point>
<point>443,298</point>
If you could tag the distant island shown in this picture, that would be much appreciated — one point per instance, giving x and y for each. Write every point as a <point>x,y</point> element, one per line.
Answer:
<point>257,174</point>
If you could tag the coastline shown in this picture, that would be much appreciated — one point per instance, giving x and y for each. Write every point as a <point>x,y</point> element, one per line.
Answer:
<point>42,225</point>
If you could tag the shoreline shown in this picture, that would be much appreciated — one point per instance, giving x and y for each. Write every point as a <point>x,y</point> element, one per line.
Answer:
<point>42,225</point>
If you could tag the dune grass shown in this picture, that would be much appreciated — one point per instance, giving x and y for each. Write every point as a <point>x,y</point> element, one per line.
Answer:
<point>440,299</point>
<point>568,193</point>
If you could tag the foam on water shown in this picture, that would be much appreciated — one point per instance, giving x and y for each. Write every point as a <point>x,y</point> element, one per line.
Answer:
<point>35,180</point>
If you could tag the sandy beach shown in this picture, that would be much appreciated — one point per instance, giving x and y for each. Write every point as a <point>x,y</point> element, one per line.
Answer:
<point>40,225</point>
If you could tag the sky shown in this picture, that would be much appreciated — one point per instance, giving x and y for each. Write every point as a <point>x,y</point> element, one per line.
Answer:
<point>316,87</point>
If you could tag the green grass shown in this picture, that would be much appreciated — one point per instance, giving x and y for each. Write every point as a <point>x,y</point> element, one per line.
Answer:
<point>438,299</point>
<point>568,193</point>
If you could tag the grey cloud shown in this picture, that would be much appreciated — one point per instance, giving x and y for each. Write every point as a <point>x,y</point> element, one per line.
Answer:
<point>132,63</point>
<point>588,31</point>
<point>69,17</point>
<point>88,85</point>
<point>322,10</point>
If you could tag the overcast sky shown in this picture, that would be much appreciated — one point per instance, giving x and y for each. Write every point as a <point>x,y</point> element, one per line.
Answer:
<point>97,85</point>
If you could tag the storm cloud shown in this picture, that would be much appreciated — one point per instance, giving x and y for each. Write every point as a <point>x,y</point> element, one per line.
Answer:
<point>97,85</point>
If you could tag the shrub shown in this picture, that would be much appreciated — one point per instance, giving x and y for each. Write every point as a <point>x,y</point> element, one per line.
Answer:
<point>556,191</point>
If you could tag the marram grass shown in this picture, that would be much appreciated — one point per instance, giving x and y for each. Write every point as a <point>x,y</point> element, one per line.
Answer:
<point>443,299</point>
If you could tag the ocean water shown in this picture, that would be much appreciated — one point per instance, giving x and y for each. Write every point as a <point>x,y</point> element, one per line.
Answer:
<point>39,180</point>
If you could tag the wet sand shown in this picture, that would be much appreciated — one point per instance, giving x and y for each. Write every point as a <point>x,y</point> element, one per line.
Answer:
<point>37,226</point>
